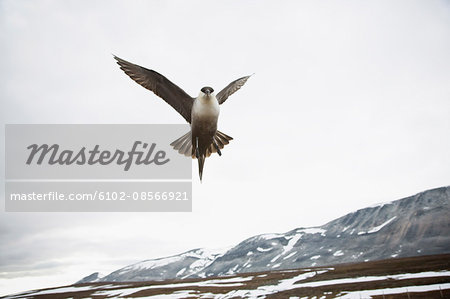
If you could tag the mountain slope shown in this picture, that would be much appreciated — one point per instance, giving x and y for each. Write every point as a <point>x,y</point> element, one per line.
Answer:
<point>417,225</point>
<point>94,277</point>
<point>413,226</point>
<point>187,264</point>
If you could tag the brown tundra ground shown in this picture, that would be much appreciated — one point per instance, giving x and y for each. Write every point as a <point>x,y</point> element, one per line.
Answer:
<point>409,278</point>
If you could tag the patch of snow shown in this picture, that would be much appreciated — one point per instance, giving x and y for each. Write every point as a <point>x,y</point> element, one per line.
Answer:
<point>315,257</point>
<point>313,230</point>
<point>289,271</point>
<point>269,236</point>
<point>262,291</point>
<point>244,294</point>
<point>177,294</point>
<point>373,278</point>
<point>202,263</point>
<point>180,272</point>
<point>246,263</point>
<point>249,253</point>
<point>275,258</point>
<point>381,204</point>
<point>115,286</point>
<point>394,255</point>
<point>232,270</point>
<point>260,249</point>
<point>345,228</point>
<point>228,280</point>
<point>338,253</point>
<point>276,265</point>
<point>289,255</point>
<point>224,282</point>
<point>120,292</point>
<point>399,290</point>
<point>377,228</point>
<point>292,242</point>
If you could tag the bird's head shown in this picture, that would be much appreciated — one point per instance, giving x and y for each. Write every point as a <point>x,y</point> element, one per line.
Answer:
<point>206,91</point>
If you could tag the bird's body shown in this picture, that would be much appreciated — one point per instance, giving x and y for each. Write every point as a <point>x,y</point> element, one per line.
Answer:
<point>204,117</point>
<point>205,114</point>
<point>202,112</point>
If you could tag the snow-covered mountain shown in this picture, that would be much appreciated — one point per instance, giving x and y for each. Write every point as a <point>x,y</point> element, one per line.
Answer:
<point>413,226</point>
<point>94,277</point>
<point>188,264</point>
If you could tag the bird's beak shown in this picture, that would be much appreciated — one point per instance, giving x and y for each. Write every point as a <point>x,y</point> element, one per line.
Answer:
<point>208,93</point>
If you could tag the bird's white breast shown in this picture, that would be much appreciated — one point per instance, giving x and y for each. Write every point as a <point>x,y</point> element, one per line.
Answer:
<point>205,108</point>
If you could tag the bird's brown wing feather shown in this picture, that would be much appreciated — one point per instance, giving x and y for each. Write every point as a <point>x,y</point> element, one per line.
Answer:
<point>234,86</point>
<point>160,85</point>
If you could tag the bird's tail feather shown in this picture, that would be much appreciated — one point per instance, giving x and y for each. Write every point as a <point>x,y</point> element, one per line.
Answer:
<point>184,144</point>
<point>221,140</point>
<point>201,163</point>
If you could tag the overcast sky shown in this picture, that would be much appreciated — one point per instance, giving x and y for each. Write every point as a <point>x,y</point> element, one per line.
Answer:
<point>349,106</point>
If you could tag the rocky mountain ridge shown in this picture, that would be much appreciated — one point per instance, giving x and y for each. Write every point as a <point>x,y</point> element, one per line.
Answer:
<point>412,226</point>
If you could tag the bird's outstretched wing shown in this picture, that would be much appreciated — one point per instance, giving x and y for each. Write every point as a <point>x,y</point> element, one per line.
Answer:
<point>160,85</point>
<point>234,86</point>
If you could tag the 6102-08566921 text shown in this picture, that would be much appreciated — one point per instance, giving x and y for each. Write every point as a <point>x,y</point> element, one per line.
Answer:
<point>101,195</point>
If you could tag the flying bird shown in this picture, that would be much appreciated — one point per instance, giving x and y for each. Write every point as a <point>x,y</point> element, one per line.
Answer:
<point>201,112</point>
